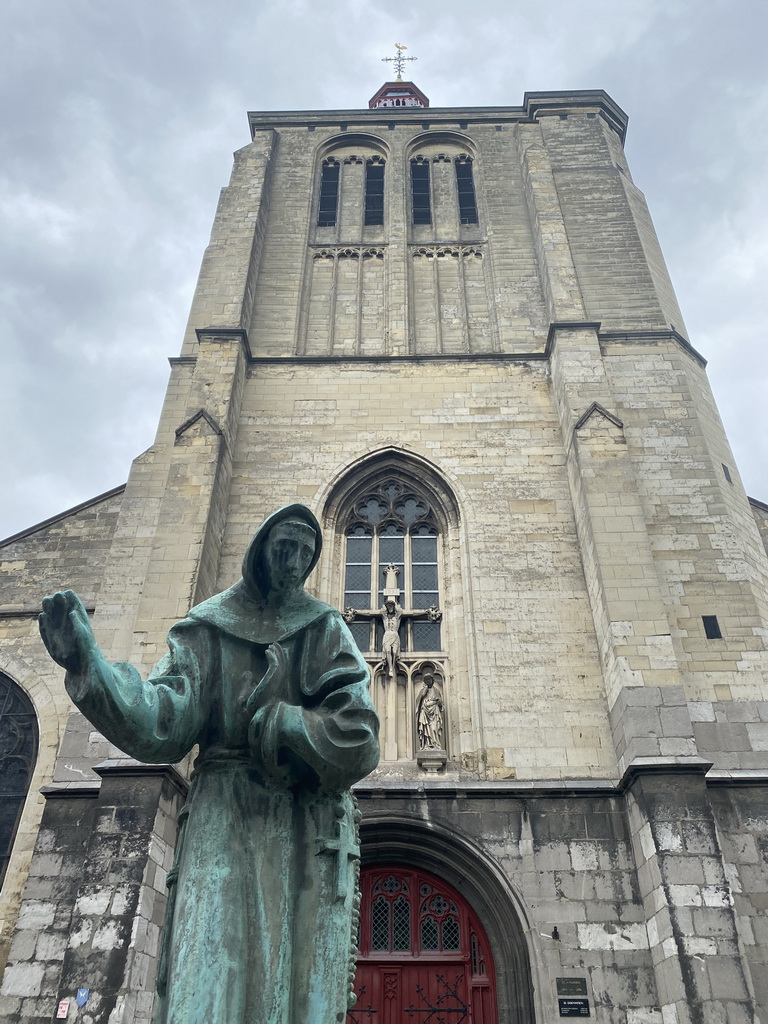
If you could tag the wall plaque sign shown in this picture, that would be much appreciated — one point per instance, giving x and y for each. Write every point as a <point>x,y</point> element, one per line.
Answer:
<point>571,986</point>
<point>574,1007</point>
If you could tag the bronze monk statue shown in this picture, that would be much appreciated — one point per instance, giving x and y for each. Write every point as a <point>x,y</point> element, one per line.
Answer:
<point>268,681</point>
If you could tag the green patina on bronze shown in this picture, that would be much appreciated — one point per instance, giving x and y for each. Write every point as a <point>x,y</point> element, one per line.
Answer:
<point>270,684</point>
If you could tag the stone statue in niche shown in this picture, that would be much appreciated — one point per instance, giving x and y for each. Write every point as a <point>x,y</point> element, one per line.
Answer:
<point>392,614</point>
<point>429,715</point>
<point>262,907</point>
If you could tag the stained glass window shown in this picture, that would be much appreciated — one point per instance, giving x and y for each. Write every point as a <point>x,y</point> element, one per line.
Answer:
<point>18,751</point>
<point>392,528</point>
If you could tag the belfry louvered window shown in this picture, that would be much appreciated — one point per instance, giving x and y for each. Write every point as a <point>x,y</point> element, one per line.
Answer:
<point>329,194</point>
<point>420,194</point>
<point>374,191</point>
<point>465,187</point>
<point>393,526</point>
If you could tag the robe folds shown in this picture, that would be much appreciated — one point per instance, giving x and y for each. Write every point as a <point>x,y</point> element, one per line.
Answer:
<point>263,889</point>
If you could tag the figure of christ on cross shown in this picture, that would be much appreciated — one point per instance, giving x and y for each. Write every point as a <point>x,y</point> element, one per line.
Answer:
<point>392,614</point>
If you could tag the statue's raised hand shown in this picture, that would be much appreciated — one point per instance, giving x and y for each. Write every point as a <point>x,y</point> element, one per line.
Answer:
<point>65,630</point>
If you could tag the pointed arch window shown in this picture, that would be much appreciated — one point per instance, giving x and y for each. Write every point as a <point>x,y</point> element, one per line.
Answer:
<point>18,752</point>
<point>393,527</point>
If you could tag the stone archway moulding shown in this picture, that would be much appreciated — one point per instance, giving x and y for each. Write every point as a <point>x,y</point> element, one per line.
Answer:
<point>413,842</point>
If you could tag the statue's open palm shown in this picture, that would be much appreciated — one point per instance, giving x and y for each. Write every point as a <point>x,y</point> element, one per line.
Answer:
<point>65,629</point>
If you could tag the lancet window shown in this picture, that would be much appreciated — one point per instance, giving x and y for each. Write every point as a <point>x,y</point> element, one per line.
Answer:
<point>374,191</point>
<point>443,191</point>
<point>421,203</point>
<point>329,194</point>
<point>18,751</point>
<point>465,187</point>
<point>392,542</point>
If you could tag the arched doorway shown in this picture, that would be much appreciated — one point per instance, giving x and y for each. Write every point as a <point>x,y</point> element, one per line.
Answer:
<point>423,954</point>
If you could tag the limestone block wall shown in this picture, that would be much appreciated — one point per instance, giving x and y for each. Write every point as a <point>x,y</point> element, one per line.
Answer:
<point>709,554</point>
<point>526,683</point>
<point>619,265</point>
<point>760,513</point>
<point>741,816</point>
<point>565,864</point>
<point>502,298</point>
<point>95,899</point>
<point>68,552</point>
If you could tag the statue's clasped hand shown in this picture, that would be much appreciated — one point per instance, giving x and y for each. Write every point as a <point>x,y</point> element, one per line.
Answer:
<point>273,684</point>
<point>65,630</point>
<point>262,737</point>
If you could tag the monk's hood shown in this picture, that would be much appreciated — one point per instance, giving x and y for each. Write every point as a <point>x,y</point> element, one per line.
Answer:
<point>244,611</point>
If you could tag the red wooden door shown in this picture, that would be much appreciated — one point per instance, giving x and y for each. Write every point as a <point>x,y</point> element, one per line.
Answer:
<point>423,955</point>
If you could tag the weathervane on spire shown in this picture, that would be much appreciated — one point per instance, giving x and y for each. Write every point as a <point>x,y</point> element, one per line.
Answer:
<point>398,60</point>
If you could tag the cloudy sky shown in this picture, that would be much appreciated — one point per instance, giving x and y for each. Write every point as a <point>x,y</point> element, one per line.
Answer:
<point>120,118</point>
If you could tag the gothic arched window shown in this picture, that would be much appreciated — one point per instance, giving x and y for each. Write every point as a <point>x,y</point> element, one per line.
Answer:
<point>18,751</point>
<point>392,542</point>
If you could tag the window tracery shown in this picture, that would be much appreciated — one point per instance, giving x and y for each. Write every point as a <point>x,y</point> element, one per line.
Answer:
<point>393,526</point>
<point>413,912</point>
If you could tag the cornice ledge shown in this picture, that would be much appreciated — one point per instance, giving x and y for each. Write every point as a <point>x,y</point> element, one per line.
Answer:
<point>568,325</point>
<point>225,333</point>
<point>129,767</point>
<point>737,777</point>
<point>381,789</point>
<point>663,766</point>
<point>71,790</point>
<point>656,335</point>
<point>413,357</point>
<point>537,103</point>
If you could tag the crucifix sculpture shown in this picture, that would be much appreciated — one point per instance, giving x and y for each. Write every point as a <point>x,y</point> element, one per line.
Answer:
<point>346,846</point>
<point>392,614</point>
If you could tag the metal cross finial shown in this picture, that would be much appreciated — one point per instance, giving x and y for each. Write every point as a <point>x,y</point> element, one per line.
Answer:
<point>398,60</point>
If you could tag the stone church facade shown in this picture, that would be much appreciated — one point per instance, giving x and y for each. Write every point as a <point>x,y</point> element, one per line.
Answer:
<point>450,333</point>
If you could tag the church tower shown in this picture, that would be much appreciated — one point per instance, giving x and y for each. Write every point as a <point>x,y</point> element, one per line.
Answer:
<point>451,333</point>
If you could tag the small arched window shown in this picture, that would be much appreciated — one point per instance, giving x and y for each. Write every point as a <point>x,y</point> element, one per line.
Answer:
<point>18,752</point>
<point>392,535</point>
